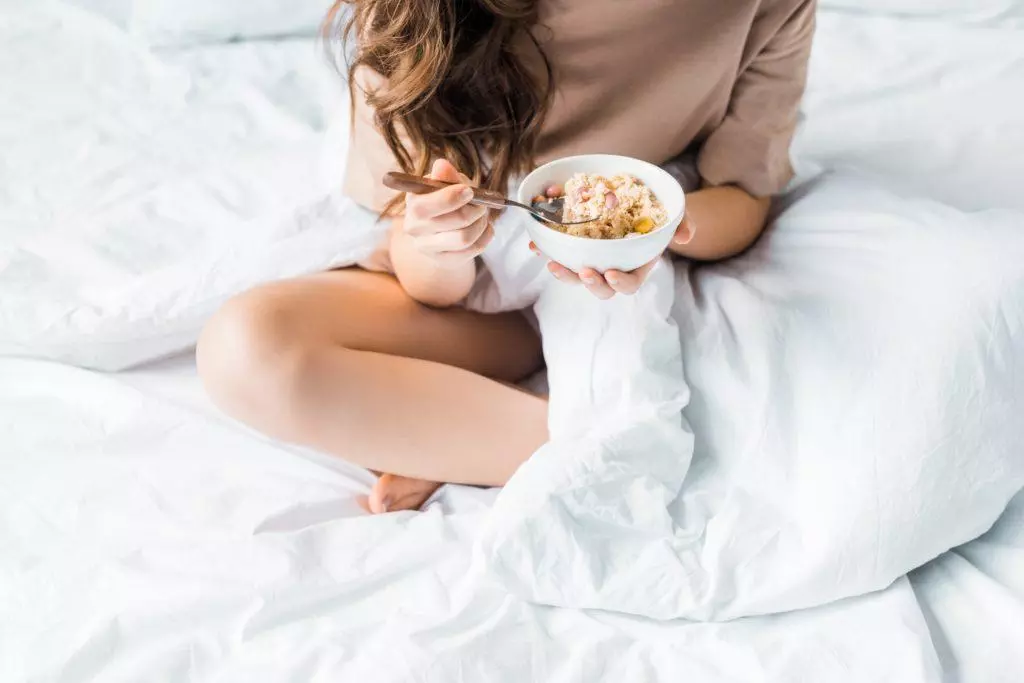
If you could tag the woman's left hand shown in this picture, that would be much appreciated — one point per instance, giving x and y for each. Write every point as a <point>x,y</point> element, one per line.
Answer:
<point>613,282</point>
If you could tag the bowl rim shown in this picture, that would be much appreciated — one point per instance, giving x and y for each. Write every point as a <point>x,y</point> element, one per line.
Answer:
<point>676,219</point>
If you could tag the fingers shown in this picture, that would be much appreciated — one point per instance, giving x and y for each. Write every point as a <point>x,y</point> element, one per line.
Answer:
<point>559,271</point>
<point>596,283</point>
<point>685,232</point>
<point>457,241</point>
<point>563,274</point>
<point>629,283</point>
<point>424,207</point>
<point>442,224</point>
<point>453,220</point>
<point>473,250</point>
<point>602,286</point>
<point>444,170</point>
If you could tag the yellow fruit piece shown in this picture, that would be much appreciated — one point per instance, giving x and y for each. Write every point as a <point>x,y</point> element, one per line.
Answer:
<point>643,226</point>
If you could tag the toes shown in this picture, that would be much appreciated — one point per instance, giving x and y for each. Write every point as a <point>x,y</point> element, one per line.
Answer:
<point>380,498</point>
<point>392,493</point>
<point>411,501</point>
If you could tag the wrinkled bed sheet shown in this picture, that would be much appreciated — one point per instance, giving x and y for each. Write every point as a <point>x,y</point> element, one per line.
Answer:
<point>147,537</point>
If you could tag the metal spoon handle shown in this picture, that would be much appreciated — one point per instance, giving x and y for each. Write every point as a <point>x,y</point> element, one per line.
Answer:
<point>404,182</point>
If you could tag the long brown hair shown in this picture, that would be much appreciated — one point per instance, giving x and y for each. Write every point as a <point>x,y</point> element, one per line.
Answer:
<point>457,86</point>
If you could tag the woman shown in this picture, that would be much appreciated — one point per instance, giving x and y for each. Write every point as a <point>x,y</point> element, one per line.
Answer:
<point>385,368</point>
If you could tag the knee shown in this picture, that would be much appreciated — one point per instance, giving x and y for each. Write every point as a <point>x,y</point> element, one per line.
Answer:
<point>252,358</point>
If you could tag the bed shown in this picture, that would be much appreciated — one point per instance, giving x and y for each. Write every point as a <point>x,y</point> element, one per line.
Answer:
<point>146,537</point>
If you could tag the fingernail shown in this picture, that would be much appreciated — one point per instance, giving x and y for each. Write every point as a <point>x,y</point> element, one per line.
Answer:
<point>466,195</point>
<point>385,503</point>
<point>684,235</point>
<point>612,279</point>
<point>590,280</point>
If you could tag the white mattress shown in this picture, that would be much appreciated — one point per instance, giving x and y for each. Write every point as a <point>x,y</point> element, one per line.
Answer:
<point>148,538</point>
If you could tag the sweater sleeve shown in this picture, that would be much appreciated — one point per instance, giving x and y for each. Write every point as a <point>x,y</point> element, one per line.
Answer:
<point>750,148</point>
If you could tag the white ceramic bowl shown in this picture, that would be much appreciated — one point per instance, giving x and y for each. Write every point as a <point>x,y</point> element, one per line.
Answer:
<point>624,254</point>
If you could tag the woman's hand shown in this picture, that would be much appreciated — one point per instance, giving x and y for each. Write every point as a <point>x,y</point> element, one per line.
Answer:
<point>443,225</point>
<point>433,245</point>
<point>612,282</point>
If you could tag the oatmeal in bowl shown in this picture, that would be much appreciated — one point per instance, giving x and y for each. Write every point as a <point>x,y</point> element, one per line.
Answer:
<point>636,208</point>
<point>621,205</point>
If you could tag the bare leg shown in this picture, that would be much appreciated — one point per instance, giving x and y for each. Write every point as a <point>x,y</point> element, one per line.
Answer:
<point>347,363</point>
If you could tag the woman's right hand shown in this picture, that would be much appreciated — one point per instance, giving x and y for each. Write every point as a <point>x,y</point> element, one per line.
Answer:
<point>443,225</point>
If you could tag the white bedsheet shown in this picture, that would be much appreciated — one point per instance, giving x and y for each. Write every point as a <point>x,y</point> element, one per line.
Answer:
<point>146,537</point>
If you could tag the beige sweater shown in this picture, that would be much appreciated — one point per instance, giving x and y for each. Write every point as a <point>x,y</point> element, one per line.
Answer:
<point>655,79</point>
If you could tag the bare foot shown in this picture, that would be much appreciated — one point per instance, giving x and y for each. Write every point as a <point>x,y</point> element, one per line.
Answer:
<point>392,493</point>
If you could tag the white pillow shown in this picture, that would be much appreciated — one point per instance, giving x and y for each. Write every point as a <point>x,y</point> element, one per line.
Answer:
<point>142,197</point>
<point>171,23</point>
<point>994,12</point>
<point>935,107</point>
<point>177,22</point>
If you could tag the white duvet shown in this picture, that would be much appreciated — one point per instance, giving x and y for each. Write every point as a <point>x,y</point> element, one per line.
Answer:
<point>794,428</point>
<point>858,390</point>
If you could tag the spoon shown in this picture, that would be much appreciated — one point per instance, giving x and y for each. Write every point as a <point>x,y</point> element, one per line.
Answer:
<point>549,210</point>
